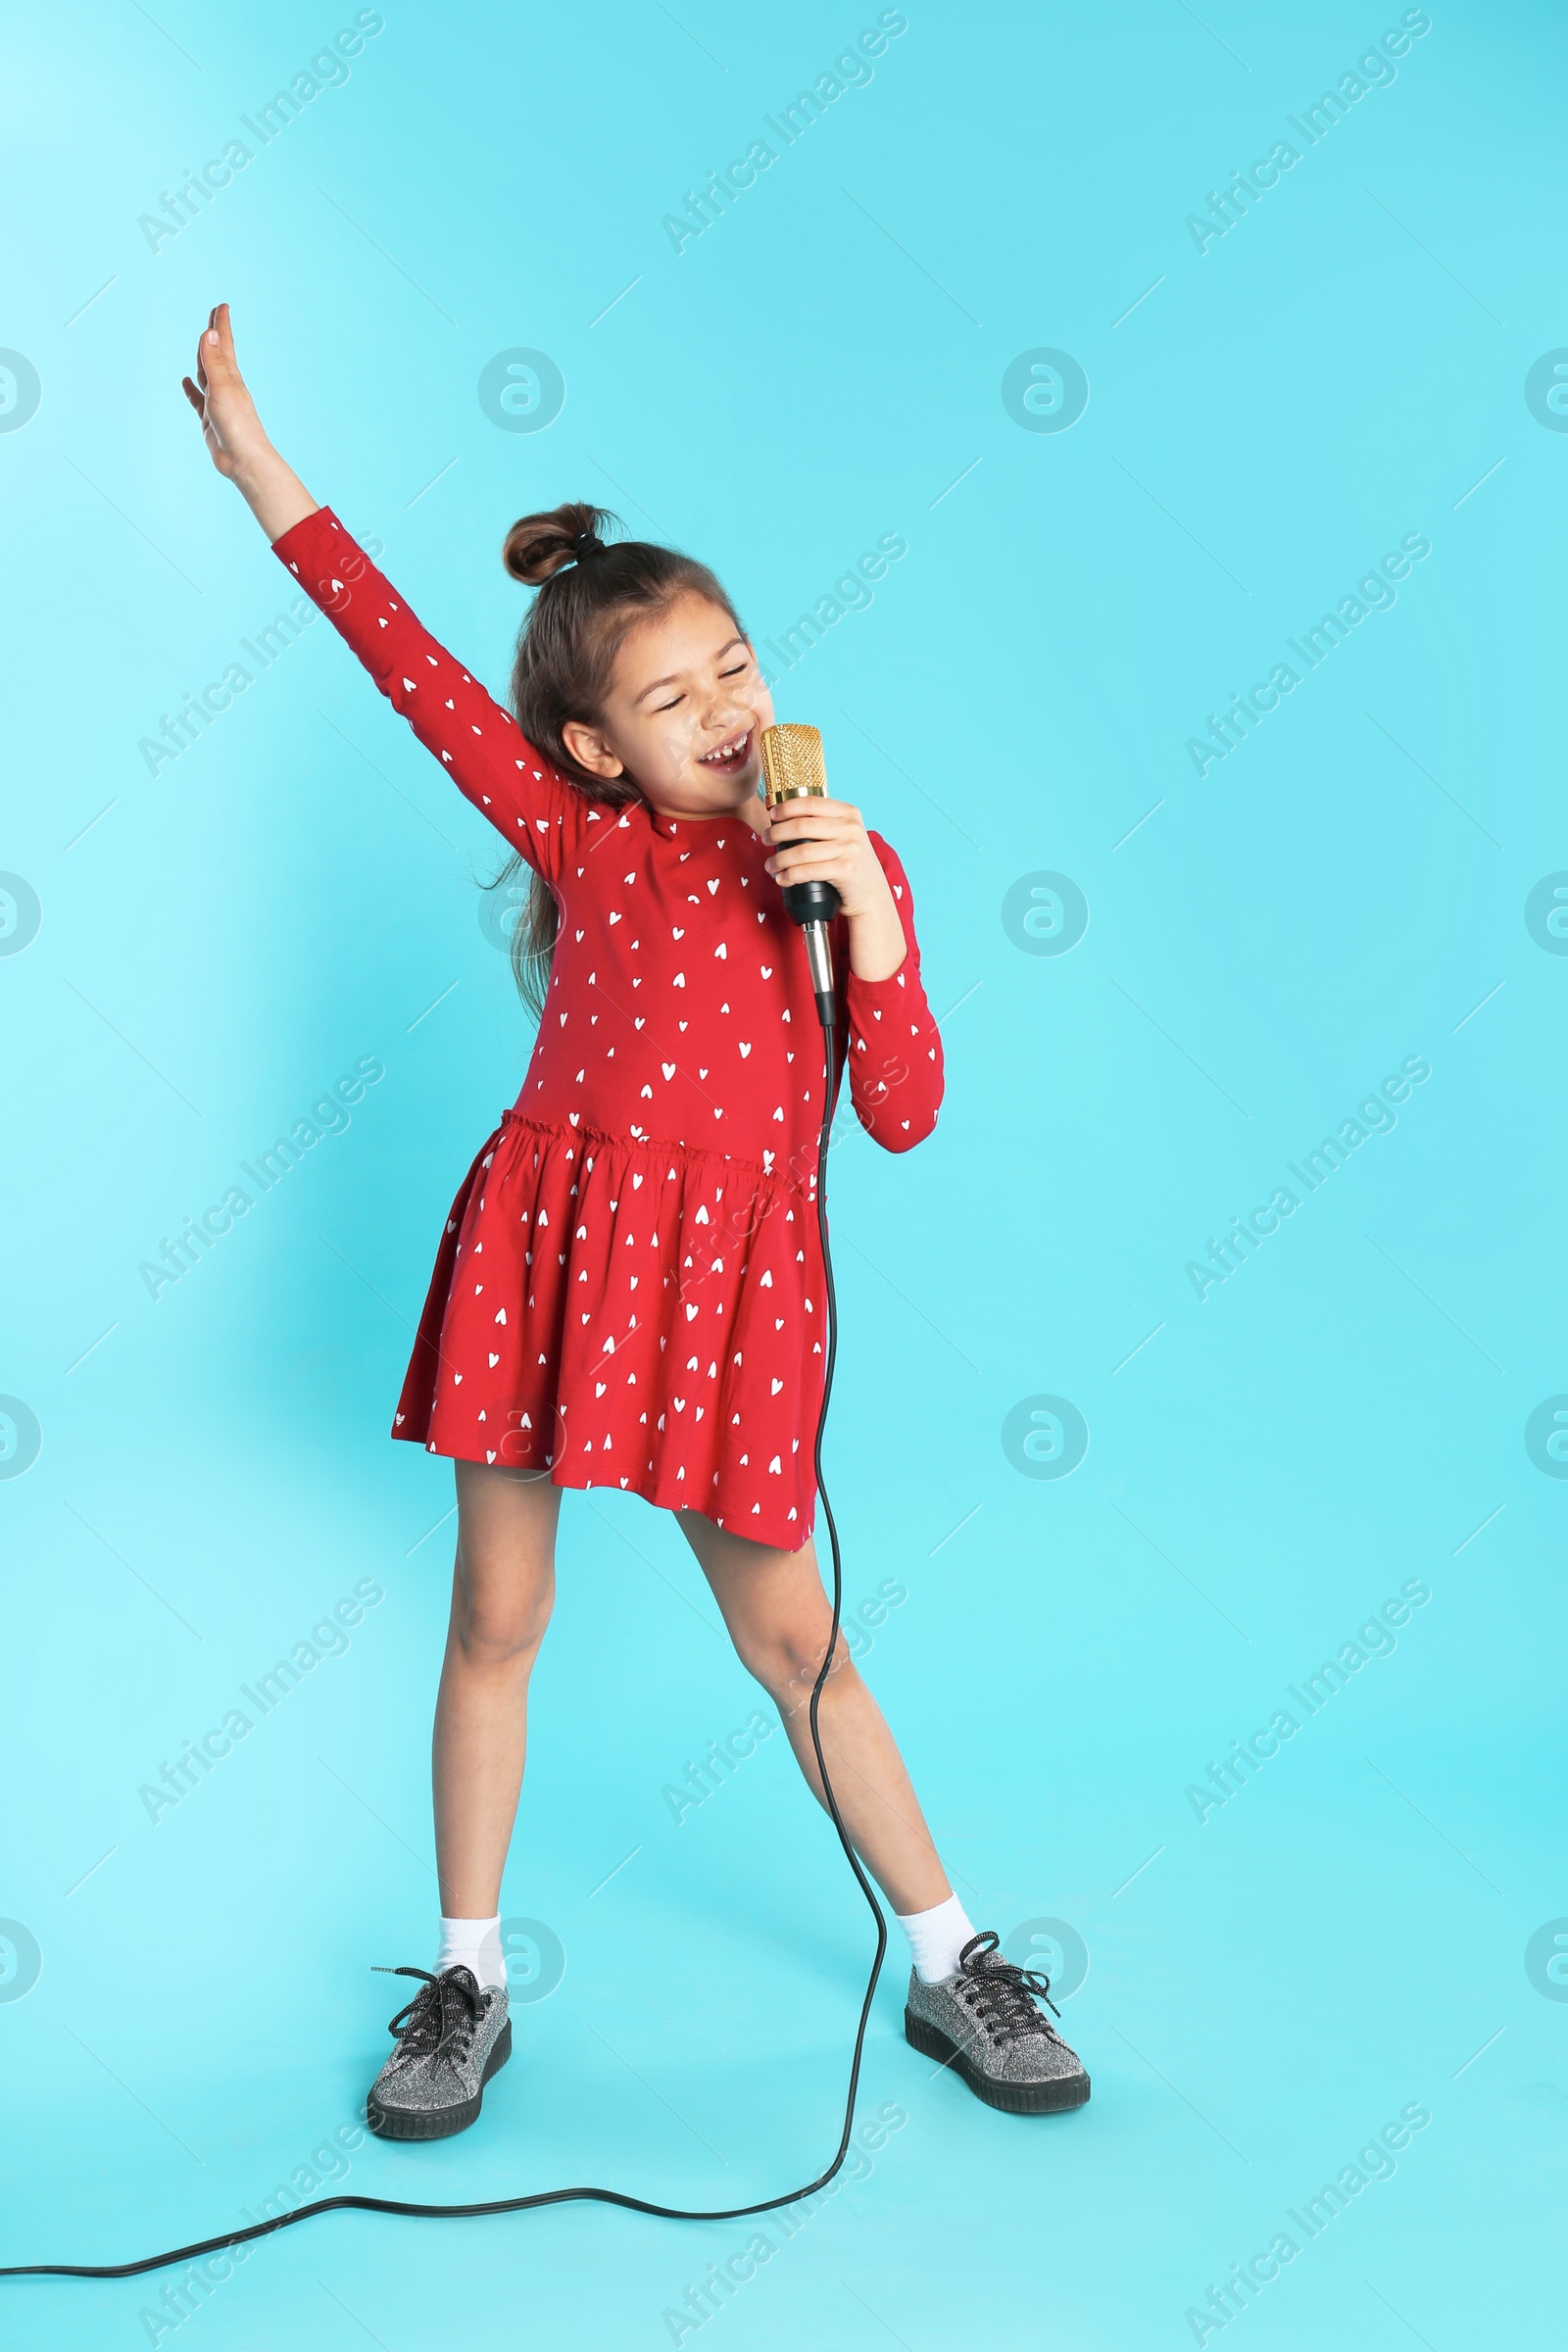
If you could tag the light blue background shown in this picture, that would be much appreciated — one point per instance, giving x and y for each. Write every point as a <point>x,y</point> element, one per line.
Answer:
<point>298,890</point>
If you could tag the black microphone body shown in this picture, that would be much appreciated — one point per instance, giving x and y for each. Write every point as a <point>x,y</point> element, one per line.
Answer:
<point>811,902</point>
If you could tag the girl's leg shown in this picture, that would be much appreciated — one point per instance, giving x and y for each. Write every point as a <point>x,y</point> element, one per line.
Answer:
<point>502,1592</point>
<point>778,1617</point>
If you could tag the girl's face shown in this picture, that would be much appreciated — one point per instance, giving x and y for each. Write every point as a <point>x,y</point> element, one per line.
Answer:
<point>684,714</point>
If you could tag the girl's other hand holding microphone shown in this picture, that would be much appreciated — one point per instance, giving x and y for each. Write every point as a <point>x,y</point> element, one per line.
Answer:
<point>826,841</point>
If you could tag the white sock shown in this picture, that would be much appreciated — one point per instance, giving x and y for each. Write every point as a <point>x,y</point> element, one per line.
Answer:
<point>936,1939</point>
<point>474,1943</point>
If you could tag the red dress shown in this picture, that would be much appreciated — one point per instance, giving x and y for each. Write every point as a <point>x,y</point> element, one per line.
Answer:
<point>629,1291</point>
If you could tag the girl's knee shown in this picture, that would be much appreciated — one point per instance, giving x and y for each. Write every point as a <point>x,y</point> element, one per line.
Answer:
<point>500,1630</point>
<point>787,1664</point>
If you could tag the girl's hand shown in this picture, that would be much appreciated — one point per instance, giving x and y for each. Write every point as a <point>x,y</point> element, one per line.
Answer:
<point>826,841</point>
<point>232,432</point>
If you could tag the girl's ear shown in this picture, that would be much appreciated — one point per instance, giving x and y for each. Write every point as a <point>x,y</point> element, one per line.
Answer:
<point>589,748</point>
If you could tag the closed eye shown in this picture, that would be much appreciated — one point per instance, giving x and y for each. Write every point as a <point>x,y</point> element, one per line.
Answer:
<point>670,705</point>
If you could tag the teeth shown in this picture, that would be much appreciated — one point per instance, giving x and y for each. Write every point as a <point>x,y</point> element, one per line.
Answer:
<point>728,751</point>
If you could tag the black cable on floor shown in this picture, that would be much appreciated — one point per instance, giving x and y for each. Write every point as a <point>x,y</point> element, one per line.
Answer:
<point>610,2196</point>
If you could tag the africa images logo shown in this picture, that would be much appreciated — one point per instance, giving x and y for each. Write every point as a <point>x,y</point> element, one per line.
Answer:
<point>1045,1437</point>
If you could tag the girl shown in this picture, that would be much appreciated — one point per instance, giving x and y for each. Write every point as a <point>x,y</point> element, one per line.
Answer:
<point>629,1289</point>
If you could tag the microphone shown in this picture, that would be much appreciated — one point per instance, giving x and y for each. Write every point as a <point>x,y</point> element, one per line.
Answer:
<point>793,769</point>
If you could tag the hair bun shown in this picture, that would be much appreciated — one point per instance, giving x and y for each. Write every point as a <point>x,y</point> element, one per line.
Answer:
<point>540,545</point>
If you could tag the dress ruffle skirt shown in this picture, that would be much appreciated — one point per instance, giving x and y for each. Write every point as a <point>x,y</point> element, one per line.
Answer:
<point>630,1316</point>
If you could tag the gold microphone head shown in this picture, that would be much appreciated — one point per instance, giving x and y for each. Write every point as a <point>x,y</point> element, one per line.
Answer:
<point>793,767</point>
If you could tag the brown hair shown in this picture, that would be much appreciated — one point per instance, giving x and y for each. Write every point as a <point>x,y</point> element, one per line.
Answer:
<point>591,593</point>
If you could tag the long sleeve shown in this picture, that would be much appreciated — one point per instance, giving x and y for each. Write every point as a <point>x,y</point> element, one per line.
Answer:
<point>893,1047</point>
<point>530,804</point>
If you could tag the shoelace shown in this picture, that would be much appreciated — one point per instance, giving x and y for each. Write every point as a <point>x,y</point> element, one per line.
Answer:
<point>443,2016</point>
<point>1000,1995</point>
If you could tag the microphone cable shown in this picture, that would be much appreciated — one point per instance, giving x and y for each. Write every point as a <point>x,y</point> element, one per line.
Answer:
<point>410,2211</point>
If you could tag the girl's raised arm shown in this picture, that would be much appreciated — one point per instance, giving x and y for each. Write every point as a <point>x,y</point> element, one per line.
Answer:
<point>481,745</point>
<point>232,432</point>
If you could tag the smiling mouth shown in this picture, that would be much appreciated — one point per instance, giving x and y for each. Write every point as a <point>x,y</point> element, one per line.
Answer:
<point>730,758</point>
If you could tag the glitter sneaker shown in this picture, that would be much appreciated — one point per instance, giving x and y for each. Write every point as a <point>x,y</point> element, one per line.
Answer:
<point>983,2021</point>
<point>451,2039</point>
